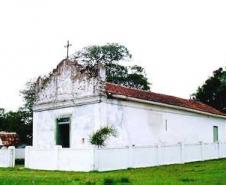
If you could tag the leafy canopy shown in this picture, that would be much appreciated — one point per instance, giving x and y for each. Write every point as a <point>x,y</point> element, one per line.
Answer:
<point>20,121</point>
<point>110,55</point>
<point>213,91</point>
<point>15,122</point>
<point>29,97</point>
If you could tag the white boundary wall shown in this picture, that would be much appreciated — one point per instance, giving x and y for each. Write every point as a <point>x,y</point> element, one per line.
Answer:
<point>106,159</point>
<point>20,153</point>
<point>7,157</point>
<point>59,159</point>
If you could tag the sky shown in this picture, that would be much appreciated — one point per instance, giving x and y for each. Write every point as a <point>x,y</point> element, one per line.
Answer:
<point>179,43</point>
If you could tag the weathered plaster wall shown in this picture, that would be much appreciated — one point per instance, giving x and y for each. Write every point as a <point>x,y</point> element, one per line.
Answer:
<point>136,124</point>
<point>141,124</point>
<point>67,82</point>
<point>83,120</point>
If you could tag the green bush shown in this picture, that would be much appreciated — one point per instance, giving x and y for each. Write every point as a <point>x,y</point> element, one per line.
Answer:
<point>100,136</point>
<point>108,181</point>
<point>124,180</point>
<point>88,182</point>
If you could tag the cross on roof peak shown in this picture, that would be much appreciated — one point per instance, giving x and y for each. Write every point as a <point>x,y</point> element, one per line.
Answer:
<point>67,46</point>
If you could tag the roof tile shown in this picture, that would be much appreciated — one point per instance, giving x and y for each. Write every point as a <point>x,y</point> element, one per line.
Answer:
<point>160,98</point>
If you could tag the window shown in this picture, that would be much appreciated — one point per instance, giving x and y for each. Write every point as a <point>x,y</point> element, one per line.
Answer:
<point>215,134</point>
<point>63,132</point>
<point>166,125</point>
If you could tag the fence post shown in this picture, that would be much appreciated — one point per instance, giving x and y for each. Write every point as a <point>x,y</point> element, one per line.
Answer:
<point>130,156</point>
<point>181,152</point>
<point>202,150</point>
<point>12,155</point>
<point>218,150</point>
<point>27,157</point>
<point>158,154</point>
<point>223,151</point>
<point>95,163</point>
<point>58,147</point>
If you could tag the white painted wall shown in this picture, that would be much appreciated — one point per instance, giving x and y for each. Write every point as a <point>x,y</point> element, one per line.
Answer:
<point>105,159</point>
<point>141,128</point>
<point>142,124</point>
<point>59,159</point>
<point>83,119</point>
<point>20,153</point>
<point>137,125</point>
<point>7,157</point>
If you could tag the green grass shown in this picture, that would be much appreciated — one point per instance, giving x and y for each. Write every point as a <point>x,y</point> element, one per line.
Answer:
<point>198,173</point>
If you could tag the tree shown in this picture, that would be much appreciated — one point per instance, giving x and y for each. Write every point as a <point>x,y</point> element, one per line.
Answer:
<point>213,91</point>
<point>29,97</point>
<point>14,122</point>
<point>131,76</point>
<point>20,121</point>
<point>110,55</point>
<point>105,54</point>
<point>26,111</point>
<point>2,119</point>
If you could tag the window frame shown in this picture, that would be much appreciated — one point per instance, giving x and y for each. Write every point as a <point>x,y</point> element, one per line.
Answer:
<point>215,134</point>
<point>66,122</point>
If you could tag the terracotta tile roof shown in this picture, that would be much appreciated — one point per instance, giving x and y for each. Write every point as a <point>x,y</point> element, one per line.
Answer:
<point>160,98</point>
<point>8,138</point>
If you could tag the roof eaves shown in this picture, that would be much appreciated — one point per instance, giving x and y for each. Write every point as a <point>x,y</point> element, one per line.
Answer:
<point>167,105</point>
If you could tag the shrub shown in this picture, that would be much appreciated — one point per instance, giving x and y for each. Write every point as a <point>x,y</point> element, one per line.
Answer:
<point>88,182</point>
<point>100,136</point>
<point>108,181</point>
<point>124,180</point>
